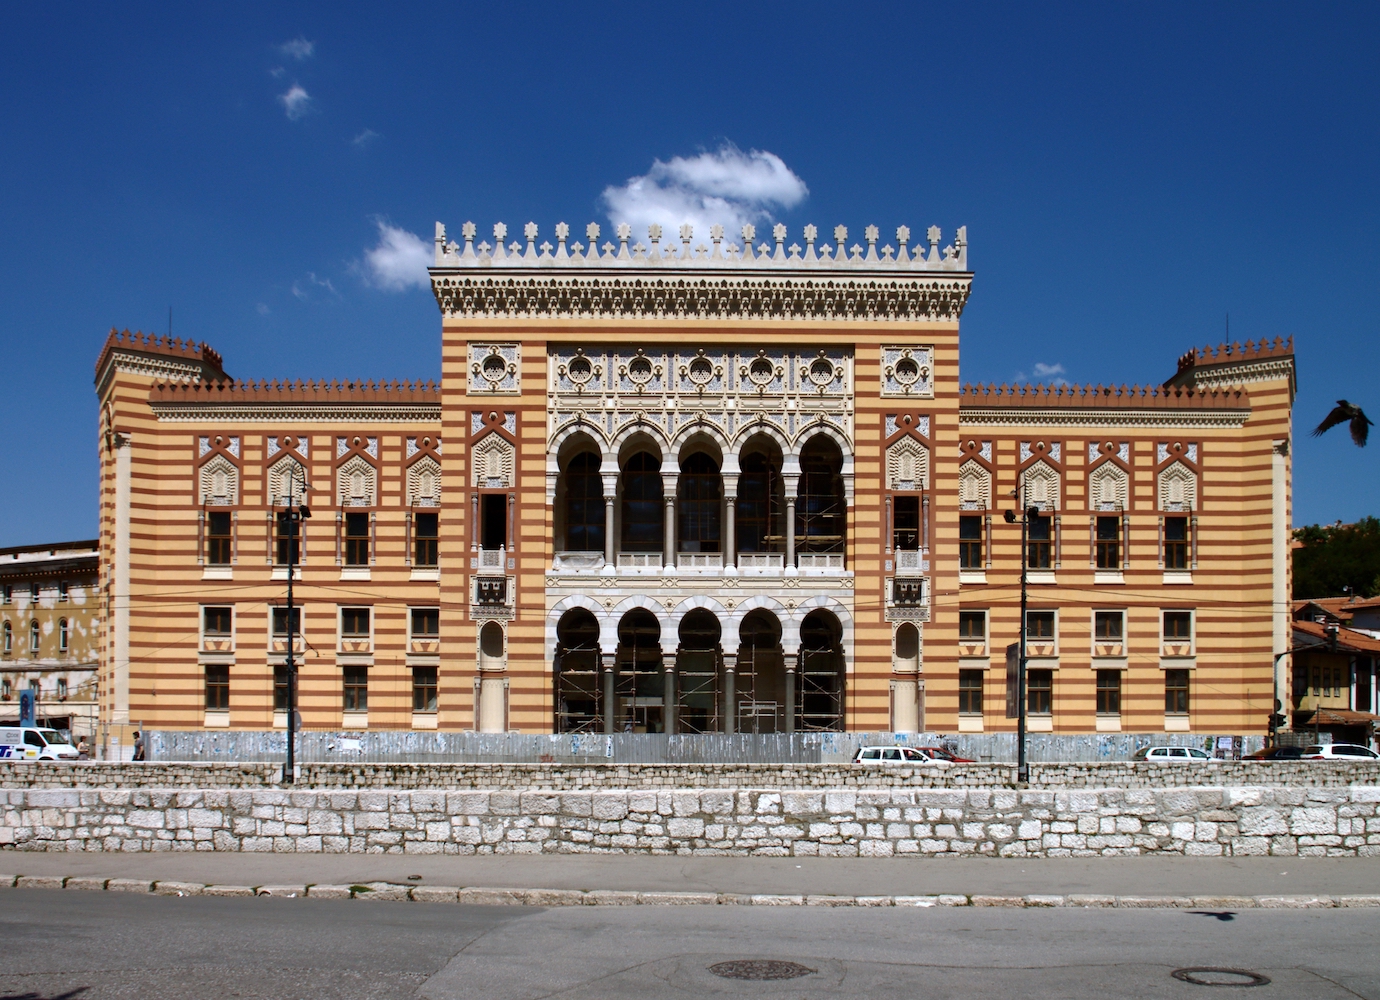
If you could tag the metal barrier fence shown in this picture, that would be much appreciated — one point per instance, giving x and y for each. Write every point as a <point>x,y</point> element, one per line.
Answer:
<point>654,748</point>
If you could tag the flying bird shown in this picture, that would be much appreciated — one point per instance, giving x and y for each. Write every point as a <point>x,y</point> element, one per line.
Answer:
<point>1343,412</point>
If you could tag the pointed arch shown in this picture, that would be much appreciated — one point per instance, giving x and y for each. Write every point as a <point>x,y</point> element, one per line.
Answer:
<point>492,463</point>
<point>1178,488</point>
<point>974,486</point>
<point>1040,486</point>
<point>1108,487</point>
<point>356,483</point>
<point>424,482</point>
<point>220,482</point>
<point>287,476</point>
<point>907,465</point>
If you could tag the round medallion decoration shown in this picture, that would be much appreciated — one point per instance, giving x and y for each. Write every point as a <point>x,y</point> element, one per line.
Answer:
<point>700,371</point>
<point>494,368</point>
<point>822,372</point>
<point>640,370</point>
<point>761,371</point>
<point>580,370</point>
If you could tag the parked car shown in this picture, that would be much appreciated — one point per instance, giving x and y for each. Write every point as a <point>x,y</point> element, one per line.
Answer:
<point>889,755</point>
<point>939,753</point>
<point>31,743</point>
<point>1170,755</point>
<point>1276,753</point>
<point>1339,751</point>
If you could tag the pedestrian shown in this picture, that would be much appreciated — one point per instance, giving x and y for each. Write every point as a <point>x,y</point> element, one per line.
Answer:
<point>138,745</point>
<point>83,749</point>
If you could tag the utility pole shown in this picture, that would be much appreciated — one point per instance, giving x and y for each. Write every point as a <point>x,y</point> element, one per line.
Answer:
<point>295,515</point>
<point>1022,765</point>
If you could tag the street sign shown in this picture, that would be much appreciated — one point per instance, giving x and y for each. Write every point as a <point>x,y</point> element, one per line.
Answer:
<point>26,708</point>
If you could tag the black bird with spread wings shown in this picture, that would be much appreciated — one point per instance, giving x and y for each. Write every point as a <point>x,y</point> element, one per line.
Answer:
<point>1343,412</point>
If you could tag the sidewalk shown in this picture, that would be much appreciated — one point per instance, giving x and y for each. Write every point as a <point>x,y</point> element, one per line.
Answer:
<point>1153,876</point>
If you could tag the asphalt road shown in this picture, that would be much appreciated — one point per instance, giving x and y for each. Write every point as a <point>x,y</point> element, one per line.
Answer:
<point>99,945</point>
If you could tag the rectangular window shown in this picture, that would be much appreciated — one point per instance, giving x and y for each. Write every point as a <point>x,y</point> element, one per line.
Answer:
<point>1178,626</point>
<point>62,689</point>
<point>1039,692</point>
<point>426,623</point>
<point>217,687</point>
<point>970,541</point>
<point>1176,543</point>
<point>1108,542</point>
<point>356,539</point>
<point>972,626</point>
<point>281,622</point>
<point>970,692</point>
<point>288,550</point>
<point>905,513</point>
<point>217,622</point>
<point>1039,626</point>
<point>1040,542</point>
<point>427,534</point>
<point>218,538</point>
<point>63,591</point>
<point>34,592</point>
<point>7,594</point>
<point>493,520</point>
<point>1176,692</point>
<point>354,623</point>
<point>1109,626</point>
<point>280,688</point>
<point>423,689</point>
<point>356,689</point>
<point>1109,692</point>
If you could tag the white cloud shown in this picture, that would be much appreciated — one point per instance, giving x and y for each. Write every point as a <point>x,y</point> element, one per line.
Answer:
<point>399,260</point>
<point>726,186</point>
<point>297,102</point>
<point>1045,374</point>
<point>299,48</point>
<point>305,287</point>
<point>364,138</point>
<point>263,309</point>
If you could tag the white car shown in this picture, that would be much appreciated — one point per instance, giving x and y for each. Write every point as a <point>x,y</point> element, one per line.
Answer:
<point>1339,751</point>
<point>889,755</point>
<point>1171,755</point>
<point>30,743</point>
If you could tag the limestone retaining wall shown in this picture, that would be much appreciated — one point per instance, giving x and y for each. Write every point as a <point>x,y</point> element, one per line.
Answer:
<point>908,821</point>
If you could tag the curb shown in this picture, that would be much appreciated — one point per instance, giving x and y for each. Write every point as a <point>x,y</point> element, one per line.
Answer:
<point>489,896</point>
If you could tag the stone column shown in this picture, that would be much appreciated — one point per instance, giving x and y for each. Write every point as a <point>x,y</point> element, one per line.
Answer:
<point>730,695</point>
<point>668,691</point>
<point>668,545</point>
<point>610,702</point>
<point>791,660</point>
<point>610,556</point>
<point>790,484</point>
<point>730,535</point>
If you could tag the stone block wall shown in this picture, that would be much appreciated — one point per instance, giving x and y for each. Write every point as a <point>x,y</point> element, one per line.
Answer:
<point>1207,820</point>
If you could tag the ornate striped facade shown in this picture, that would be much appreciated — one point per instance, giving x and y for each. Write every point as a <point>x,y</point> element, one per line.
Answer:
<point>695,489</point>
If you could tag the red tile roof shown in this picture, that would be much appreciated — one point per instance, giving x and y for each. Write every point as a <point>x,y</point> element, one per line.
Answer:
<point>1348,640</point>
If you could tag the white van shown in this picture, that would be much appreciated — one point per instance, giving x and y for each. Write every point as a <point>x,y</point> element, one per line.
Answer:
<point>35,744</point>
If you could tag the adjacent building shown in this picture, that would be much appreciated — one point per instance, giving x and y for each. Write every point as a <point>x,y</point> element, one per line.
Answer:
<point>50,633</point>
<point>695,485</point>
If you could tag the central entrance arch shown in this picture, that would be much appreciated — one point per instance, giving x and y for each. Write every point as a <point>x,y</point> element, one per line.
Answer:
<point>640,689</point>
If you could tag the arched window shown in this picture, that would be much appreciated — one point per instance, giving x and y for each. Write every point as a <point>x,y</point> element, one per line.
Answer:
<point>907,650</point>
<point>491,656</point>
<point>64,635</point>
<point>579,694</point>
<point>642,504</point>
<point>641,685</point>
<point>760,504</point>
<point>697,673</point>
<point>701,497</point>
<point>820,509</point>
<point>34,635</point>
<point>584,504</point>
<point>821,689</point>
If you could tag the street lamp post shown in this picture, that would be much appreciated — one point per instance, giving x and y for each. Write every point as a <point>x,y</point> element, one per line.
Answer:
<point>296,513</point>
<point>1022,765</point>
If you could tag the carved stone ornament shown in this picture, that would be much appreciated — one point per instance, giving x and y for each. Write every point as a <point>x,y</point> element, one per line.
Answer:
<point>974,487</point>
<point>494,368</point>
<point>908,371</point>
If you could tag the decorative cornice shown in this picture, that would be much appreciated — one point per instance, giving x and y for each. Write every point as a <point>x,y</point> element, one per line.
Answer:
<point>725,283</point>
<point>380,402</point>
<point>1041,417</point>
<point>269,413</point>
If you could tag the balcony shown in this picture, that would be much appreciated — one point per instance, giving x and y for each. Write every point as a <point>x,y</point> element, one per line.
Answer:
<point>704,562</point>
<point>911,562</point>
<point>908,600</point>
<point>491,597</point>
<point>496,559</point>
<point>640,562</point>
<point>761,562</point>
<point>819,563</point>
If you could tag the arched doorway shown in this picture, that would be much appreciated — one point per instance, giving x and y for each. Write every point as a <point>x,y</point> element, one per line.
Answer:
<point>640,686</point>
<point>905,688</point>
<point>761,691</point>
<point>821,685</point>
<point>578,693</point>
<point>698,660</point>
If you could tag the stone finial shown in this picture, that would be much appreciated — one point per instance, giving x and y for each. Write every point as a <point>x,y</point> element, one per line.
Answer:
<point>811,234</point>
<point>654,232</point>
<point>530,231</point>
<point>870,234</point>
<point>624,231</point>
<point>716,234</point>
<point>686,231</point>
<point>902,237</point>
<point>934,233</point>
<point>468,230</point>
<point>562,231</point>
<point>749,234</point>
<point>840,237</point>
<point>778,233</point>
<point>592,232</point>
<point>500,231</point>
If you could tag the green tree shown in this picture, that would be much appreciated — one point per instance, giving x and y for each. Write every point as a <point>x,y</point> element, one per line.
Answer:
<point>1335,560</point>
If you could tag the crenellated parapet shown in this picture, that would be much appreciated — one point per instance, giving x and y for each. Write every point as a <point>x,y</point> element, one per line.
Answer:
<point>298,400</point>
<point>1110,404</point>
<point>158,357</point>
<point>666,278</point>
<point>1238,364</point>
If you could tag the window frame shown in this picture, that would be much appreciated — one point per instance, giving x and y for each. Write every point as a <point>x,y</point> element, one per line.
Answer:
<point>64,635</point>
<point>1099,614</point>
<point>1039,693</point>
<point>968,638</point>
<point>1190,639</point>
<point>1107,550</point>
<point>970,549</point>
<point>1039,550</point>
<point>425,678</point>
<point>356,544</point>
<point>426,548</point>
<point>971,685</point>
<point>207,632</point>
<point>413,634</point>
<point>368,610</point>
<point>220,548</point>
<point>216,678</point>
<point>1179,692</point>
<point>354,688</point>
<point>1053,637</point>
<point>1108,694</point>
<point>913,531</point>
<point>278,610</point>
<point>35,636</point>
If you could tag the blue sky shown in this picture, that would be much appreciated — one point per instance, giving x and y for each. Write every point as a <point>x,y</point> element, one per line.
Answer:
<point>1129,175</point>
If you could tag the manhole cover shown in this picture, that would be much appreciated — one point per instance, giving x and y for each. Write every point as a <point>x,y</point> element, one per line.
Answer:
<point>1220,977</point>
<point>757,968</point>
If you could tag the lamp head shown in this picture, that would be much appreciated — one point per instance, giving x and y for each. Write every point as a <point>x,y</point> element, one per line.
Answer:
<point>305,512</point>
<point>1010,516</point>
<point>1032,512</point>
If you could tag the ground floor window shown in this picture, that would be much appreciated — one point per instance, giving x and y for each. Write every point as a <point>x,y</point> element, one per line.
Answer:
<point>1176,692</point>
<point>1039,689</point>
<point>217,687</point>
<point>423,689</point>
<point>1109,692</point>
<point>970,692</point>
<point>280,687</point>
